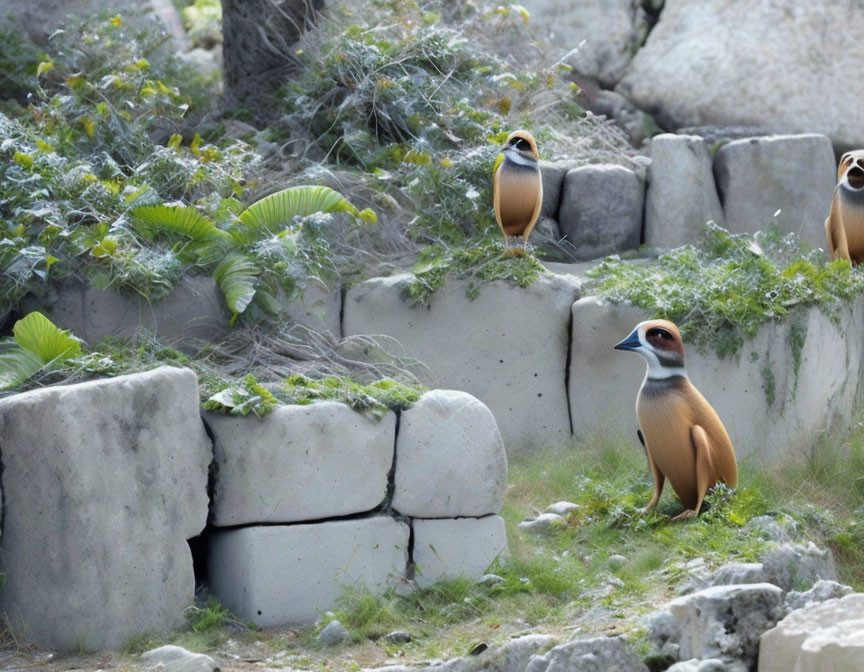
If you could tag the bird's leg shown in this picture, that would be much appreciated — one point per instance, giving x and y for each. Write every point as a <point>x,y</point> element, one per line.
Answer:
<point>512,251</point>
<point>659,478</point>
<point>704,470</point>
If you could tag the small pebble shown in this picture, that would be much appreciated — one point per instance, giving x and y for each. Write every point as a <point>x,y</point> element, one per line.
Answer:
<point>398,637</point>
<point>333,634</point>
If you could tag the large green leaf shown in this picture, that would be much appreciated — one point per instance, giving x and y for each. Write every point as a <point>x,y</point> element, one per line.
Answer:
<point>176,218</point>
<point>16,364</point>
<point>276,211</point>
<point>37,334</point>
<point>236,277</point>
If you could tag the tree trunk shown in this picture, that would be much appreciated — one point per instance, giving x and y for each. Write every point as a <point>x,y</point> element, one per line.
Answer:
<point>258,48</point>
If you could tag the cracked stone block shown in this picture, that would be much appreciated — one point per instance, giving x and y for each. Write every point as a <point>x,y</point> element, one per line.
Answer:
<point>300,463</point>
<point>104,482</point>
<point>291,574</point>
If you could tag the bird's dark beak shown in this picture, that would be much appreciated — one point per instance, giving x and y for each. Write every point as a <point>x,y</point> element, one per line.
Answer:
<point>629,343</point>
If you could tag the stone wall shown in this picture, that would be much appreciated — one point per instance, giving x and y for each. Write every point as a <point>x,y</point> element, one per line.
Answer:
<point>772,408</point>
<point>104,482</point>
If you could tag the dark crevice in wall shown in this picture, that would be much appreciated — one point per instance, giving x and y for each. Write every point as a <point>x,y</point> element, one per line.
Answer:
<point>653,9</point>
<point>343,295</point>
<point>9,320</point>
<point>410,569</point>
<point>387,504</point>
<point>200,545</point>
<point>374,513</point>
<point>567,368</point>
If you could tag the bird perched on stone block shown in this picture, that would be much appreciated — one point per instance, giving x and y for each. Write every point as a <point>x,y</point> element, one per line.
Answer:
<point>845,223</point>
<point>683,437</point>
<point>517,190</point>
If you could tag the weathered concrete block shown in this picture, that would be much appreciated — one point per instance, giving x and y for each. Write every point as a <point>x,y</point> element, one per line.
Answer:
<point>103,482</point>
<point>719,622</point>
<point>282,574</point>
<point>795,174</point>
<point>601,210</point>
<point>449,548</point>
<point>320,308</point>
<point>450,458</point>
<point>826,636</point>
<point>195,310</point>
<point>768,407</point>
<point>508,347</point>
<point>681,195</point>
<point>300,463</point>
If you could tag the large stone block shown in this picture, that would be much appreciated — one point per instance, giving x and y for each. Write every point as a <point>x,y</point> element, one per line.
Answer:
<point>319,308</point>
<point>553,173</point>
<point>300,463</point>
<point>449,548</point>
<point>601,210</point>
<point>281,574</point>
<point>194,310</point>
<point>450,459</point>
<point>721,622</point>
<point>794,174</point>
<point>508,347</point>
<point>602,34</point>
<point>770,409</point>
<point>103,484</point>
<point>826,636</point>
<point>716,62</point>
<point>681,195</point>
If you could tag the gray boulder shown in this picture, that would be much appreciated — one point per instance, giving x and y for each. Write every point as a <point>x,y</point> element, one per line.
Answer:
<point>177,659</point>
<point>553,173</point>
<point>681,195</point>
<point>450,458</point>
<point>601,654</point>
<point>333,634</point>
<point>103,484</point>
<point>449,548</point>
<point>601,210</point>
<point>826,636</point>
<point>511,354</point>
<point>603,34</point>
<point>299,463</point>
<point>722,622</point>
<point>779,528</point>
<point>715,62</point>
<point>821,591</point>
<point>798,565</point>
<point>794,174</point>
<point>287,574</point>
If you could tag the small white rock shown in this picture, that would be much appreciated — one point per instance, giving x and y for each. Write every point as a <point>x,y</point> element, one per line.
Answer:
<point>545,523</point>
<point>562,508</point>
<point>333,634</point>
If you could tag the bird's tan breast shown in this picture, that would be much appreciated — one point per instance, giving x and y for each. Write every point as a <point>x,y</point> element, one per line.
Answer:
<point>852,219</point>
<point>667,413</point>
<point>519,190</point>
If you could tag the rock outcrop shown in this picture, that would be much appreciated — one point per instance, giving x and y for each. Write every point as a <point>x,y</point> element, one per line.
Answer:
<point>719,62</point>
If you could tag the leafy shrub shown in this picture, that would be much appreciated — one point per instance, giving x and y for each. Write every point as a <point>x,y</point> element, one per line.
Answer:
<point>722,292</point>
<point>37,343</point>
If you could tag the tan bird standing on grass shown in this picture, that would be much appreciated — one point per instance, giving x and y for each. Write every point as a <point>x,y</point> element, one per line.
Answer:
<point>517,190</point>
<point>684,439</point>
<point>845,223</point>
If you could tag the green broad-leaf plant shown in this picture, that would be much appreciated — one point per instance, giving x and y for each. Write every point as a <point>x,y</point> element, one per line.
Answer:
<point>37,344</point>
<point>228,252</point>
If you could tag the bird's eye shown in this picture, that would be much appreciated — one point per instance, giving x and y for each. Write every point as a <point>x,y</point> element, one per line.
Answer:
<point>662,333</point>
<point>522,143</point>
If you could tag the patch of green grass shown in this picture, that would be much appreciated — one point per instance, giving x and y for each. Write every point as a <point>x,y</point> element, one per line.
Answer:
<point>480,264</point>
<point>721,293</point>
<point>375,398</point>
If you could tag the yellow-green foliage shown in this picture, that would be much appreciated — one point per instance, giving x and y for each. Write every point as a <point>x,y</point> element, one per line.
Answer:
<point>722,292</point>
